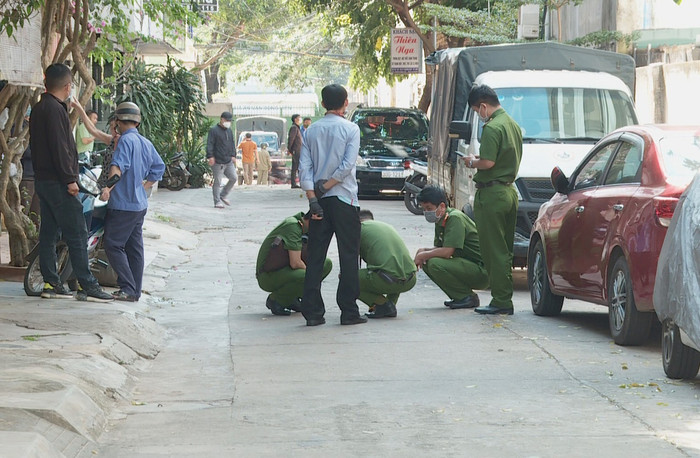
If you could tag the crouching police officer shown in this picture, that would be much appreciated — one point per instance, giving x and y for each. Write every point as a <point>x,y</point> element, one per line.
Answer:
<point>280,269</point>
<point>390,270</point>
<point>454,263</point>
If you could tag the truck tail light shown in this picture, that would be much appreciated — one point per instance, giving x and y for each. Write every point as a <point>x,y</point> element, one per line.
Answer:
<point>664,208</point>
<point>406,164</point>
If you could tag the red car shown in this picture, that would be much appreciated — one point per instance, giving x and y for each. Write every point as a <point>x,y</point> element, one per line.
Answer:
<point>598,239</point>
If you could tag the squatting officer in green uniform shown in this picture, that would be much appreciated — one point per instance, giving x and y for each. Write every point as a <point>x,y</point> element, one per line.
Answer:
<point>390,269</point>
<point>280,269</point>
<point>496,201</point>
<point>454,263</point>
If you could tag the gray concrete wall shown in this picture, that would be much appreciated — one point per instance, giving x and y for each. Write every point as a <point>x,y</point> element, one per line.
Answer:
<point>215,109</point>
<point>668,93</point>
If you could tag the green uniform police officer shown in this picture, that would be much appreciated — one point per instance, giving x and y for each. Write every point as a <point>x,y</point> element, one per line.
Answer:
<point>286,283</point>
<point>496,200</point>
<point>390,269</point>
<point>454,262</point>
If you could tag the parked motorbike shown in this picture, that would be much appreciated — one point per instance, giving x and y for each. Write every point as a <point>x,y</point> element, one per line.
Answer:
<point>94,211</point>
<point>176,174</point>
<point>415,182</point>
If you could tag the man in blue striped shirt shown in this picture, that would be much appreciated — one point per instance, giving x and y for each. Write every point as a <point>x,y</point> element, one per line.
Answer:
<point>327,174</point>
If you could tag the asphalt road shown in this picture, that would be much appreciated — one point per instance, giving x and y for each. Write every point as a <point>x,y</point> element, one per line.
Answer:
<point>234,381</point>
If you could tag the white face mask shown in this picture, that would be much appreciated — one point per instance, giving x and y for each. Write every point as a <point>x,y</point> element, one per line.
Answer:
<point>226,124</point>
<point>483,119</point>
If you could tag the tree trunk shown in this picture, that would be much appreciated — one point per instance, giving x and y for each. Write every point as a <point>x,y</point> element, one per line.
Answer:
<point>211,76</point>
<point>427,95</point>
<point>13,142</point>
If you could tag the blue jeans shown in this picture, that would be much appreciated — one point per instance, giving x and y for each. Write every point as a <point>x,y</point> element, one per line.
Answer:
<point>123,241</point>
<point>61,211</point>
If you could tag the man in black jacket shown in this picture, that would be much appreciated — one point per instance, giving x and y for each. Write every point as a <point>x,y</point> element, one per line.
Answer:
<point>221,150</point>
<point>294,147</point>
<point>55,161</point>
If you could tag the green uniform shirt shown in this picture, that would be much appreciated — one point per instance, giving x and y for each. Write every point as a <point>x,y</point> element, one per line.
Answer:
<point>382,248</point>
<point>80,133</point>
<point>290,230</point>
<point>502,143</point>
<point>456,230</point>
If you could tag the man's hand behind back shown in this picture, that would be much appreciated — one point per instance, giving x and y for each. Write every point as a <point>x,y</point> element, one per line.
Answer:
<point>73,188</point>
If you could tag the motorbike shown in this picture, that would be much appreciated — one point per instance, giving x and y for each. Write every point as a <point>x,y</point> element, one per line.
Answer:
<point>94,212</point>
<point>414,183</point>
<point>176,174</point>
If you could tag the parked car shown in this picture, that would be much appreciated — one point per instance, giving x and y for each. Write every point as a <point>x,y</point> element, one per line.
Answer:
<point>388,137</point>
<point>677,290</point>
<point>599,238</point>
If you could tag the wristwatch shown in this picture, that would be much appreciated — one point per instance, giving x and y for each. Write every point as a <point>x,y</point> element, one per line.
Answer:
<point>471,163</point>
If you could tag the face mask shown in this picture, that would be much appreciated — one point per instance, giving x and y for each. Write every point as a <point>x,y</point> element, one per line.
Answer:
<point>483,119</point>
<point>227,124</point>
<point>430,216</point>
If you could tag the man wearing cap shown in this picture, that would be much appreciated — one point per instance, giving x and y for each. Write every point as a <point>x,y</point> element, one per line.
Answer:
<point>139,165</point>
<point>221,153</point>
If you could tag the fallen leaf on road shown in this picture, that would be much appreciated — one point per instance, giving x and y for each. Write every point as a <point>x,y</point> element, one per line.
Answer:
<point>498,325</point>
<point>662,404</point>
<point>138,403</point>
<point>624,366</point>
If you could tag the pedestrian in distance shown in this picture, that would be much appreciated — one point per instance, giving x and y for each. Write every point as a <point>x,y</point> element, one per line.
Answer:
<point>140,166</point>
<point>327,172</point>
<point>280,266</point>
<point>390,268</point>
<point>305,123</point>
<point>264,164</point>
<point>496,200</point>
<point>294,142</point>
<point>454,261</point>
<point>221,156</point>
<point>55,162</point>
<point>249,152</point>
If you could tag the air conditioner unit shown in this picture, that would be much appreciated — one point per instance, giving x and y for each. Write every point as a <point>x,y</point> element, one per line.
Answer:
<point>529,21</point>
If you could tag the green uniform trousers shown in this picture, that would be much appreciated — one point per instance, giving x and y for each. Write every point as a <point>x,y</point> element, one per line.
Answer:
<point>287,284</point>
<point>456,276</point>
<point>375,290</point>
<point>495,212</point>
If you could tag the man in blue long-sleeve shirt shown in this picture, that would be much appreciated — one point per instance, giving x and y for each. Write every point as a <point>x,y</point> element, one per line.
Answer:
<point>140,166</point>
<point>327,174</point>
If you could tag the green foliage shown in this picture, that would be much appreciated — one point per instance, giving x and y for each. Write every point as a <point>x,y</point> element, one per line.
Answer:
<point>171,103</point>
<point>480,27</point>
<point>14,13</point>
<point>604,37</point>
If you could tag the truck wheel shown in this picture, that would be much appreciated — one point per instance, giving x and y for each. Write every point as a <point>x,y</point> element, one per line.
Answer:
<point>680,360</point>
<point>544,302</point>
<point>628,325</point>
<point>33,280</point>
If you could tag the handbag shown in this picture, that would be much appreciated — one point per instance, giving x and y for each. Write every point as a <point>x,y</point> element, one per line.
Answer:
<point>278,257</point>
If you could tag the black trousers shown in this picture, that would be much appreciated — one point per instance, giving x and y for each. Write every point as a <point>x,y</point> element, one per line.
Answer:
<point>342,220</point>
<point>295,167</point>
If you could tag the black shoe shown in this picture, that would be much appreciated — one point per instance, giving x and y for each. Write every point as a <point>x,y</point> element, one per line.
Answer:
<point>492,310</point>
<point>468,302</point>
<point>296,306</point>
<point>353,320</point>
<point>94,294</point>
<point>316,321</point>
<point>57,291</point>
<point>122,296</point>
<point>295,186</point>
<point>385,310</point>
<point>276,308</point>
<point>448,303</point>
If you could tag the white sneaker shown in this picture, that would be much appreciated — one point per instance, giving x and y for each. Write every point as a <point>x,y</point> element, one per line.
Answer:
<point>219,205</point>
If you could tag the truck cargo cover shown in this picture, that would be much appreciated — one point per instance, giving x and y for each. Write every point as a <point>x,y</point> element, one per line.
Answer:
<point>457,68</point>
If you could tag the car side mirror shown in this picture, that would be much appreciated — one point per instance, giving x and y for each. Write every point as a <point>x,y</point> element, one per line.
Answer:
<point>559,181</point>
<point>461,130</point>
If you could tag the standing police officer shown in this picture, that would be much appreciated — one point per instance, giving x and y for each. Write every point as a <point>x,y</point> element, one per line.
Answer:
<point>496,201</point>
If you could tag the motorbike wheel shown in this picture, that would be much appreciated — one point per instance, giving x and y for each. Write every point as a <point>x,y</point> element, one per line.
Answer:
<point>410,198</point>
<point>176,181</point>
<point>33,280</point>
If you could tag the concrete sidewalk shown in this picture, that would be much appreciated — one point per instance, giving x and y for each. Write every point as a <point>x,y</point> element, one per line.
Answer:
<point>64,363</point>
